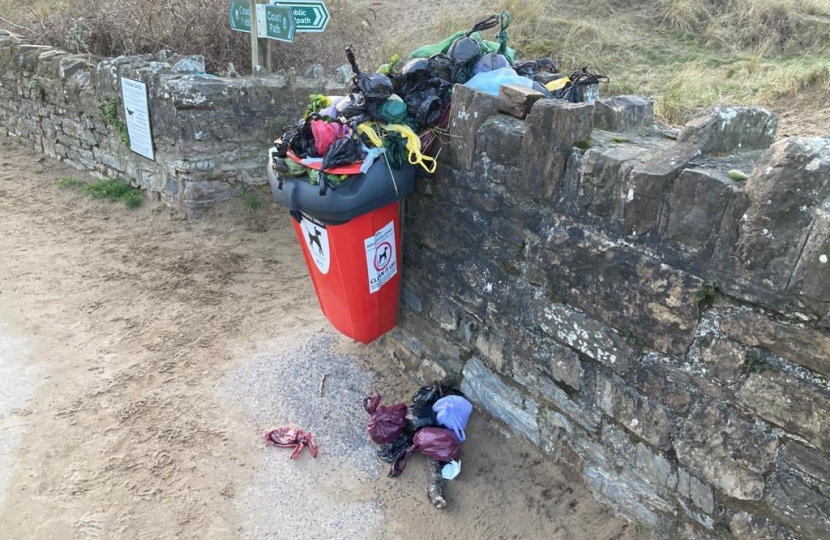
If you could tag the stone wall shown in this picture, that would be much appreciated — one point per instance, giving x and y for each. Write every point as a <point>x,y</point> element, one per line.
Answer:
<point>211,134</point>
<point>614,296</point>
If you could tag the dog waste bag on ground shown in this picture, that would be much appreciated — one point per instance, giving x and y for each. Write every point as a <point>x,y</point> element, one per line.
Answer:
<point>385,423</point>
<point>344,168</point>
<point>422,427</point>
<point>288,437</point>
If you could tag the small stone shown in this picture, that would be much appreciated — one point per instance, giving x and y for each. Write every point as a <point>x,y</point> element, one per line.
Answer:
<point>800,344</point>
<point>656,467</point>
<point>731,454</point>
<point>343,74</point>
<point>724,358</point>
<point>314,71</point>
<point>807,460</point>
<point>650,181</point>
<point>785,197</point>
<point>468,112</point>
<point>800,502</point>
<point>752,527</point>
<point>809,278</point>
<point>656,382</point>
<point>588,336</point>
<point>798,407</point>
<point>623,113</point>
<point>553,127</point>
<point>209,192</point>
<point>604,176</point>
<point>517,100</point>
<point>698,202</point>
<point>645,418</point>
<point>729,129</point>
<point>701,495</point>
<point>190,64</point>
<point>500,139</point>
<point>504,402</point>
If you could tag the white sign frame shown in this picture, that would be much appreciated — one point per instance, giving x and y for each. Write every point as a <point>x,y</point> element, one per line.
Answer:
<point>135,98</point>
<point>381,257</point>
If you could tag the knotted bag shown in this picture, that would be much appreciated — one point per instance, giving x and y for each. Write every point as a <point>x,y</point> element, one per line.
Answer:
<point>439,444</point>
<point>386,423</point>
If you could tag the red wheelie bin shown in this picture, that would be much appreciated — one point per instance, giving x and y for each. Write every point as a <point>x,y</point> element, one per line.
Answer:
<point>350,236</point>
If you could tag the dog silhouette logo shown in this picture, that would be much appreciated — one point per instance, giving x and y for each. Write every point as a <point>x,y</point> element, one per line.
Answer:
<point>130,113</point>
<point>315,239</point>
<point>382,256</point>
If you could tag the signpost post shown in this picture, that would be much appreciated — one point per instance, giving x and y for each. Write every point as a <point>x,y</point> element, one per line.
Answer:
<point>260,52</point>
<point>311,15</point>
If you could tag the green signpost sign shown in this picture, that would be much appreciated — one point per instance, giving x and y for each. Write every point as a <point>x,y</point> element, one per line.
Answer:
<point>240,13</point>
<point>276,22</point>
<point>311,15</point>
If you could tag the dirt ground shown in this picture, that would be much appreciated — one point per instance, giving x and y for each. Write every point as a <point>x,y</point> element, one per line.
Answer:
<point>142,356</point>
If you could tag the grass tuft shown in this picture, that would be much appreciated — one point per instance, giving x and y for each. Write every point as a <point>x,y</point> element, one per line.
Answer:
<point>71,183</point>
<point>252,201</point>
<point>109,110</point>
<point>111,189</point>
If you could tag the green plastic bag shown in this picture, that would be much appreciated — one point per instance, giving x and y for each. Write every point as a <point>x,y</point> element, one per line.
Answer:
<point>317,102</point>
<point>441,47</point>
<point>294,168</point>
<point>486,46</point>
<point>393,110</point>
<point>396,151</point>
<point>386,69</point>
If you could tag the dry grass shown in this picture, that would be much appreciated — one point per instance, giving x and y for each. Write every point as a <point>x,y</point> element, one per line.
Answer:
<point>115,27</point>
<point>684,54</point>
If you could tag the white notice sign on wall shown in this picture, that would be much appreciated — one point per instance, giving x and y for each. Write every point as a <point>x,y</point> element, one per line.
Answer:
<point>137,113</point>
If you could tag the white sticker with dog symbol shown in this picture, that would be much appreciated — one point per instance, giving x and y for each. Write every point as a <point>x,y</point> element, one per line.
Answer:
<point>381,257</point>
<point>317,241</point>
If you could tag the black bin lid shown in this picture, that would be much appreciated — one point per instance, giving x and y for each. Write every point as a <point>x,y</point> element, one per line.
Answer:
<point>356,196</point>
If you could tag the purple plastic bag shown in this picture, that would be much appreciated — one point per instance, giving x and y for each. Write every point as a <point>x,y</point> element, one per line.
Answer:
<point>436,443</point>
<point>386,423</point>
<point>453,412</point>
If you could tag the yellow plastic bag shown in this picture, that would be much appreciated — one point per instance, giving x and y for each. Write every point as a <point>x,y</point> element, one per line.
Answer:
<point>557,84</point>
<point>413,142</point>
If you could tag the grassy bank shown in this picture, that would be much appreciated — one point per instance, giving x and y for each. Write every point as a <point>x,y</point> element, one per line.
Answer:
<point>685,54</point>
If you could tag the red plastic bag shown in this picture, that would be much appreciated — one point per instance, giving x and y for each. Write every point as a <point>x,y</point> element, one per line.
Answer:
<point>386,423</point>
<point>439,444</point>
<point>288,437</point>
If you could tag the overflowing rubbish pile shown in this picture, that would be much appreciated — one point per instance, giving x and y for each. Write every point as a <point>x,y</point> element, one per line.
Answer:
<point>433,424</point>
<point>396,114</point>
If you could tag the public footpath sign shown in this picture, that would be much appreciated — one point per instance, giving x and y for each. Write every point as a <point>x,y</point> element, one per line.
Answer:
<point>311,15</point>
<point>275,22</point>
<point>240,13</point>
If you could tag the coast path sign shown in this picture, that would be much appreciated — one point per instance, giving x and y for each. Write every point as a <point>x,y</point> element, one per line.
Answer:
<point>278,20</point>
<point>275,22</point>
<point>240,14</point>
<point>311,15</point>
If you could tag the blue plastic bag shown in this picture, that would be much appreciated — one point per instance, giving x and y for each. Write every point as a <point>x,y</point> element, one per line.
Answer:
<point>490,81</point>
<point>490,62</point>
<point>453,412</point>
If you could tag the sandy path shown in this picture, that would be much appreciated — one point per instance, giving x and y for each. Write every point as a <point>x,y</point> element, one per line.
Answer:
<point>141,357</point>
